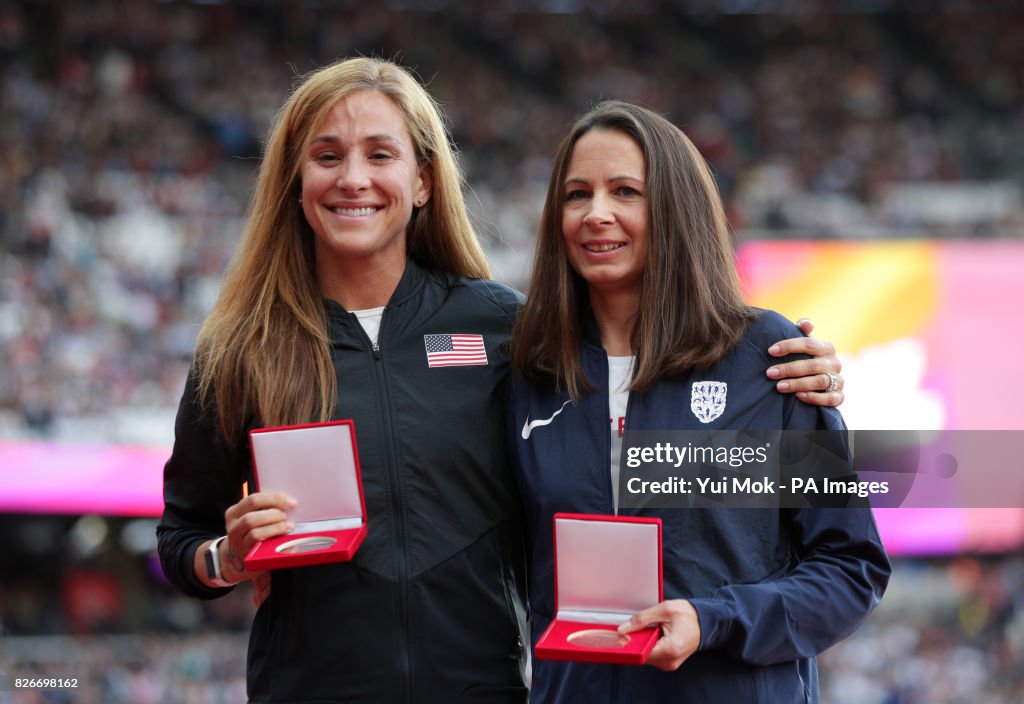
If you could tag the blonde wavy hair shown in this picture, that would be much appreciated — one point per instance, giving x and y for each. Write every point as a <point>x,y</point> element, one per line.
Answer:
<point>263,352</point>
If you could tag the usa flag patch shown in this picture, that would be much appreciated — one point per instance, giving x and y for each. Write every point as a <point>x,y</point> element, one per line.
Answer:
<point>455,350</point>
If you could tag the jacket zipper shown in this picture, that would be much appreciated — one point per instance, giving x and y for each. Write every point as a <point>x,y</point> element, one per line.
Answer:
<point>616,673</point>
<point>625,427</point>
<point>617,669</point>
<point>607,435</point>
<point>394,483</point>
<point>395,480</point>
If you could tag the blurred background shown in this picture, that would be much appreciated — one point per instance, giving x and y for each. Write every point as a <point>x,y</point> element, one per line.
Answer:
<point>870,152</point>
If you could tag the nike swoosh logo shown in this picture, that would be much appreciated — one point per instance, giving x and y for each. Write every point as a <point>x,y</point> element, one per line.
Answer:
<point>529,425</point>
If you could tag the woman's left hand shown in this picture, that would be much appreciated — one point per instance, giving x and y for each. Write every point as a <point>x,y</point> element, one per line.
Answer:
<point>680,632</point>
<point>816,381</point>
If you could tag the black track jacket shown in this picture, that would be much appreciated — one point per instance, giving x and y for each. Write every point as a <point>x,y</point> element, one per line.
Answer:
<point>431,607</point>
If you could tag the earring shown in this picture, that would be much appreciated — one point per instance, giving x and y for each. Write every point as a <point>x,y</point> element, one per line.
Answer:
<point>300,201</point>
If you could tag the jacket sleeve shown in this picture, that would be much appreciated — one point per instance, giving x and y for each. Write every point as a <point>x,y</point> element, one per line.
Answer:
<point>837,576</point>
<point>202,478</point>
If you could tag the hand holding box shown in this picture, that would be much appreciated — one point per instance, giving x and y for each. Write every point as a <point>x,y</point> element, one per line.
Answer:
<point>606,569</point>
<point>318,465</point>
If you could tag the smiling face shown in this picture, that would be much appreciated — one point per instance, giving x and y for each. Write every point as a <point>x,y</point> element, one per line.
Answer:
<point>604,212</point>
<point>360,183</point>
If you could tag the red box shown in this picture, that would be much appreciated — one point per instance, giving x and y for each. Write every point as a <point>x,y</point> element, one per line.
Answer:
<point>318,465</point>
<point>606,569</point>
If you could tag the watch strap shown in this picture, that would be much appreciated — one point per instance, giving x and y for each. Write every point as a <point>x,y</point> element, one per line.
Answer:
<point>213,567</point>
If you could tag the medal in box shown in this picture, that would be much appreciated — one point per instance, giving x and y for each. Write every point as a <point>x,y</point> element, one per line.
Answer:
<point>606,569</point>
<point>318,465</point>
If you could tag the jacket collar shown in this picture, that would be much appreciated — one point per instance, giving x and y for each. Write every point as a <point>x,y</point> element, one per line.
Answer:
<point>408,286</point>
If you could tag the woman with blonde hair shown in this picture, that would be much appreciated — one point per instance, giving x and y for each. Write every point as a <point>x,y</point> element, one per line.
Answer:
<point>358,256</point>
<point>358,248</point>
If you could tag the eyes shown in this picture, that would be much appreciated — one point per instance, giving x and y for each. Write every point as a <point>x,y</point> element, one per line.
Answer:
<point>379,156</point>
<point>579,193</point>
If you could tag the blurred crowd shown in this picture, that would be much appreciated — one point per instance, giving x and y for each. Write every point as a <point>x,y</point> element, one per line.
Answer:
<point>949,631</point>
<point>206,668</point>
<point>130,132</point>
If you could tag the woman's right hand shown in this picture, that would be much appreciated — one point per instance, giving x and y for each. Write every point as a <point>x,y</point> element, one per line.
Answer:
<point>255,518</point>
<point>680,632</point>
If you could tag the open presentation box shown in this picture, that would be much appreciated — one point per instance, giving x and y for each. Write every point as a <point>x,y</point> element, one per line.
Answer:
<point>317,464</point>
<point>606,569</point>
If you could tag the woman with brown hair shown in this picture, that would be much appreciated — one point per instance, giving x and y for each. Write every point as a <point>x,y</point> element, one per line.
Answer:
<point>633,313</point>
<point>358,255</point>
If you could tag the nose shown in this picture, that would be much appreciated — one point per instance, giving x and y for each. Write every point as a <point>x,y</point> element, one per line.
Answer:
<point>600,213</point>
<point>353,175</point>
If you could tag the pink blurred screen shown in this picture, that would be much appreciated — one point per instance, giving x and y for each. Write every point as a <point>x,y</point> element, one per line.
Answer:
<point>928,332</point>
<point>39,477</point>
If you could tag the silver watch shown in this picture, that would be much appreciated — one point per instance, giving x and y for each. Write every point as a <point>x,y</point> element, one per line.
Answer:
<point>213,566</point>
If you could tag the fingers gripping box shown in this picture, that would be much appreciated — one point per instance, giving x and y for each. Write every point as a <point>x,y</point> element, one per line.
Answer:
<point>606,569</point>
<point>318,465</point>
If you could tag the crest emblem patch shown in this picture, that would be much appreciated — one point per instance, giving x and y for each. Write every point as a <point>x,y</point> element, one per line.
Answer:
<point>707,399</point>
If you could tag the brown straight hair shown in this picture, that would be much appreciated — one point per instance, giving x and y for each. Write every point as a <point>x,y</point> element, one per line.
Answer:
<point>263,351</point>
<point>691,311</point>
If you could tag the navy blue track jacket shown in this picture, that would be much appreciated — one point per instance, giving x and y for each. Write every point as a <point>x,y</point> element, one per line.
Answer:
<point>772,587</point>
